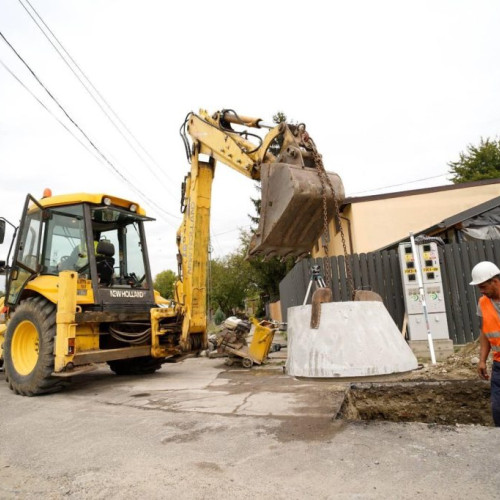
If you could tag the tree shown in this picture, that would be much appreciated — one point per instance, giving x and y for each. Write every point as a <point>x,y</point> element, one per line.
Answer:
<point>231,282</point>
<point>478,162</point>
<point>257,203</point>
<point>164,283</point>
<point>219,316</point>
<point>267,273</point>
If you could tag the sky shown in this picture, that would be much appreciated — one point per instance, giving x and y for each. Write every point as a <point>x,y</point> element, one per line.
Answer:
<point>390,91</point>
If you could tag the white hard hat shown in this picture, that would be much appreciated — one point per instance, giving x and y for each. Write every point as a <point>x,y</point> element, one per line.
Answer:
<point>483,271</point>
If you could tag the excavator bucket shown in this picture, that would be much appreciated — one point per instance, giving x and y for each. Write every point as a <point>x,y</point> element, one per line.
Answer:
<point>292,217</point>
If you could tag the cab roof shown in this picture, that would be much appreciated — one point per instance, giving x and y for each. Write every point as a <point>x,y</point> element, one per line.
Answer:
<point>93,199</point>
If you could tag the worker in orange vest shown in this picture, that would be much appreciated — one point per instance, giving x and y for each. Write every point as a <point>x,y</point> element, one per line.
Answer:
<point>486,276</point>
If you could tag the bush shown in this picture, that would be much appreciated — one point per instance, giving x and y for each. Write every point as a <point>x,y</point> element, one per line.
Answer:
<point>219,316</point>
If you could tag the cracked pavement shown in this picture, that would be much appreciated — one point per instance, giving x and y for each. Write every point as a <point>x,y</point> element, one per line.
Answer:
<point>198,429</point>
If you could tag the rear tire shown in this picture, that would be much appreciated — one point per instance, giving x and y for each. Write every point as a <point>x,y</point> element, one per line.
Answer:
<point>136,366</point>
<point>29,348</point>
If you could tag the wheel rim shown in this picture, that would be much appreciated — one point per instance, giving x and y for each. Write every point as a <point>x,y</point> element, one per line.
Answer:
<point>24,348</point>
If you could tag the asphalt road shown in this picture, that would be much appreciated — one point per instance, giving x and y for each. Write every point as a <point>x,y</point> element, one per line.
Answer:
<point>200,430</point>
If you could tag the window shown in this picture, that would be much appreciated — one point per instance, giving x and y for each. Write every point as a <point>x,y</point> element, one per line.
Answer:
<point>27,260</point>
<point>65,244</point>
<point>123,230</point>
<point>135,258</point>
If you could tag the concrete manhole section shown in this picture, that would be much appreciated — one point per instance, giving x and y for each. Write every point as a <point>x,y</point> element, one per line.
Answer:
<point>448,402</point>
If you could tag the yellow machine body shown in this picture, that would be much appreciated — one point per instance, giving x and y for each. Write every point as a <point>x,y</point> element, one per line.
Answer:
<point>262,339</point>
<point>291,218</point>
<point>67,308</point>
<point>293,195</point>
<point>3,327</point>
<point>64,313</point>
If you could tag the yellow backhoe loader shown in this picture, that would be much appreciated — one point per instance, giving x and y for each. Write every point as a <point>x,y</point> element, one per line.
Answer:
<point>79,286</point>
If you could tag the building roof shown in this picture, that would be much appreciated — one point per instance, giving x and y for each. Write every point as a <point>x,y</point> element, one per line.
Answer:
<point>414,192</point>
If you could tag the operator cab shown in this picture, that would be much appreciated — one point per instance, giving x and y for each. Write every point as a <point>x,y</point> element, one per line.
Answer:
<point>103,242</point>
<point>115,245</point>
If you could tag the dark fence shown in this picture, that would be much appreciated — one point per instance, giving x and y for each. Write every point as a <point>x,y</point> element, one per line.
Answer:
<point>457,260</point>
<point>381,273</point>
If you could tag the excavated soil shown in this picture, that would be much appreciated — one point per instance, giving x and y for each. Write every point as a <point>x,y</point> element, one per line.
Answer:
<point>447,393</point>
<point>447,402</point>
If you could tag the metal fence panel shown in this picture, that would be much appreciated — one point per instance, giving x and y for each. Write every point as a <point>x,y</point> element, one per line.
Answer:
<point>381,273</point>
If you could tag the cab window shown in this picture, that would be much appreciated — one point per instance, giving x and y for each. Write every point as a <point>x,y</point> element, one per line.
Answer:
<point>65,242</point>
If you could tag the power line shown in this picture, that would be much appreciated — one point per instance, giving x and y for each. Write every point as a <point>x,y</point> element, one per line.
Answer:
<point>398,185</point>
<point>102,156</point>
<point>89,91</point>
<point>228,231</point>
<point>47,109</point>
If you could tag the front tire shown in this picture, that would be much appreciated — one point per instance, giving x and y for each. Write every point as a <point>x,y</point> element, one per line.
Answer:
<point>29,348</point>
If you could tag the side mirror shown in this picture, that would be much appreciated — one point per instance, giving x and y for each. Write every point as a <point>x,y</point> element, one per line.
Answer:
<point>2,267</point>
<point>2,231</point>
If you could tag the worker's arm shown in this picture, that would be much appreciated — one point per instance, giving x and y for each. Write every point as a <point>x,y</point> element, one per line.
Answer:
<point>483,356</point>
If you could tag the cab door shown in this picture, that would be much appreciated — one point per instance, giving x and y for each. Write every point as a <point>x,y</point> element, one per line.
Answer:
<point>26,259</point>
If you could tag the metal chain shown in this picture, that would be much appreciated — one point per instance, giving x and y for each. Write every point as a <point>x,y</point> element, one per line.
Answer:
<point>324,179</point>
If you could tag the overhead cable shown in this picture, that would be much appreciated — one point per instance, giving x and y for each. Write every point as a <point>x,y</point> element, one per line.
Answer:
<point>398,185</point>
<point>47,109</point>
<point>102,156</point>
<point>86,84</point>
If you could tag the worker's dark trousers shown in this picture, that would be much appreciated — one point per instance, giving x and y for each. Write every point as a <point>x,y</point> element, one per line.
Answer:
<point>495,393</point>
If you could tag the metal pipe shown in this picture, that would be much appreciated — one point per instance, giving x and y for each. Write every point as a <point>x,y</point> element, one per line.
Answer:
<point>247,120</point>
<point>418,269</point>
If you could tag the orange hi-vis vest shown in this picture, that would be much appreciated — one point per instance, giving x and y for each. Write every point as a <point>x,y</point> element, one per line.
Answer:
<point>491,325</point>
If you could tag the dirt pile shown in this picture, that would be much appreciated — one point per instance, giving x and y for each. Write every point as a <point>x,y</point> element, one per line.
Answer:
<point>460,365</point>
<point>449,392</point>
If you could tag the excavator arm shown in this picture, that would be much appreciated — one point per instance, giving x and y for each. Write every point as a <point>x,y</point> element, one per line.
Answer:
<point>215,138</point>
<point>293,196</point>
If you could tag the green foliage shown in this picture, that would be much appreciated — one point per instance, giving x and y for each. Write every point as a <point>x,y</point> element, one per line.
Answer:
<point>477,163</point>
<point>257,204</point>
<point>231,282</point>
<point>266,274</point>
<point>219,316</point>
<point>164,283</point>
<point>279,117</point>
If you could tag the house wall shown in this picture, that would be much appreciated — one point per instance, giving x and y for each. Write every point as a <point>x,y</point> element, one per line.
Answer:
<point>377,222</point>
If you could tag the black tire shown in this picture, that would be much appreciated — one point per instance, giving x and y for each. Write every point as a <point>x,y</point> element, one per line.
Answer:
<point>28,369</point>
<point>136,366</point>
<point>247,362</point>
